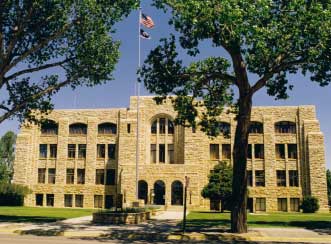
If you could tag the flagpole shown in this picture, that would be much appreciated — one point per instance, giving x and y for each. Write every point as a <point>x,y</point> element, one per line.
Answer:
<point>138,116</point>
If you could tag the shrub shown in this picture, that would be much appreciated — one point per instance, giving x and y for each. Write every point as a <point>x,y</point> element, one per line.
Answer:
<point>12,194</point>
<point>310,204</point>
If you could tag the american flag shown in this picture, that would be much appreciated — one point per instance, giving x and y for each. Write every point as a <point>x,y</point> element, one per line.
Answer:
<point>146,21</point>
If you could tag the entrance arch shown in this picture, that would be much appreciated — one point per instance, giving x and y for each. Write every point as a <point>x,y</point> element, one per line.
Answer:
<point>143,190</point>
<point>159,192</point>
<point>177,193</point>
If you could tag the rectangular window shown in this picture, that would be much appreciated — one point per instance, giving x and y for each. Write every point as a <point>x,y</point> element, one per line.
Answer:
<point>214,151</point>
<point>80,176</point>
<point>50,200</point>
<point>70,176</point>
<point>79,201</point>
<point>97,201</point>
<point>294,204</point>
<point>82,151</point>
<point>39,199</point>
<point>260,204</point>
<point>110,177</point>
<point>226,151</point>
<point>249,178</point>
<point>41,175</point>
<point>282,204</point>
<point>162,123</point>
<point>101,151</point>
<point>71,150</point>
<point>171,157</point>
<point>281,177</point>
<point>68,200</point>
<point>249,151</point>
<point>53,150</point>
<point>280,151</point>
<point>259,151</point>
<point>161,153</point>
<point>294,178</point>
<point>51,175</point>
<point>109,201</point>
<point>43,151</point>
<point>153,153</point>
<point>259,178</point>
<point>111,151</point>
<point>128,128</point>
<point>99,176</point>
<point>292,151</point>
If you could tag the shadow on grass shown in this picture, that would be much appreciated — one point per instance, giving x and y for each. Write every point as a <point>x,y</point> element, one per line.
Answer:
<point>30,219</point>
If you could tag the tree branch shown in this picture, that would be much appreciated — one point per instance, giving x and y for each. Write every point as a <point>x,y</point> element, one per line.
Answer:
<point>211,76</point>
<point>35,69</point>
<point>17,107</point>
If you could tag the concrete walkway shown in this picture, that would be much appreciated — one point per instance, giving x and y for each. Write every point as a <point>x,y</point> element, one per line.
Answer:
<point>162,227</point>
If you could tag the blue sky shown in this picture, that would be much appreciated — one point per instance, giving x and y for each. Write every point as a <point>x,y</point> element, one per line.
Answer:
<point>116,93</point>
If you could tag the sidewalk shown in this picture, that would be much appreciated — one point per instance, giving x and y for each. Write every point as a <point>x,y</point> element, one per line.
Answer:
<point>163,227</point>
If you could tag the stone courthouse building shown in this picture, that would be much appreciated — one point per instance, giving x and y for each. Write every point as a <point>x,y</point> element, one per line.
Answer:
<point>84,158</point>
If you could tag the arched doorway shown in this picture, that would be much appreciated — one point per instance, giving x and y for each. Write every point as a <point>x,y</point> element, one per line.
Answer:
<point>176,193</point>
<point>159,192</point>
<point>143,190</point>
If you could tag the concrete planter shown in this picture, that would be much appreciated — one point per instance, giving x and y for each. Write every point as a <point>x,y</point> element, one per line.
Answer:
<point>120,218</point>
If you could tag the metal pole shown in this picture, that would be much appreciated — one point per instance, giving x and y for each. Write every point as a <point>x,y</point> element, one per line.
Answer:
<point>138,117</point>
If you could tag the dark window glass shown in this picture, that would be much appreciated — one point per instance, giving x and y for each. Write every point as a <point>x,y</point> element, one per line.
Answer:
<point>281,177</point>
<point>162,123</point>
<point>224,128</point>
<point>280,151</point>
<point>153,153</point>
<point>260,204</point>
<point>294,177</point>
<point>171,157</point>
<point>39,199</point>
<point>294,204</point>
<point>249,178</point>
<point>49,128</point>
<point>80,176</point>
<point>41,175</point>
<point>79,201</point>
<point>98,201</point>
<point>292,151</point>
<point>50,200</point>
<point>68,200</point>
<point>78,129</point>
<point>249,151</point>
<point>170,127</point>
<point>111,151</point>
<point>53,150</point>
<point>259,178</point>
<point>256,128</point>
<point>226,151</point>
<point>161,153</point>
<point>109,201</point>
<point>70,176</point>
<point>128,128</point>
<point>282,204</point>
<point>285,127</point>
<point>154,127</point>
<point>43,151</point>
<point>99,177</point>
<point>110,177</point>
<point>101,150</point>
<point>71,150</point>
<point>51,175</point>
<point>259,151</point>
<point>107,129</point>
<point>214,151</point>
<point>81,151</point>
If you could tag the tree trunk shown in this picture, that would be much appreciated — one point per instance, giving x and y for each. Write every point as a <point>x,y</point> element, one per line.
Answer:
<point>239,183</point>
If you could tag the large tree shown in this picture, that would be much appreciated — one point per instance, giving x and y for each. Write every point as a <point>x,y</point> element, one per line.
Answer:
<point>328,181</point>
<point>7,150</point>
<point>267,38</point>
<point>49,44</point>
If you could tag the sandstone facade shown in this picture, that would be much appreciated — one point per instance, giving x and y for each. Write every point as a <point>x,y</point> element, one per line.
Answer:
<point>184,152</point>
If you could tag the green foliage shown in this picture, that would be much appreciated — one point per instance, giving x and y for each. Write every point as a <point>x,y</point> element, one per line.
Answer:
<point>47,45</point>
<point>219,186</point>
<point>12,194</point>
<point>7,148</point>
<point>328,181</point>
<point>310,204</point>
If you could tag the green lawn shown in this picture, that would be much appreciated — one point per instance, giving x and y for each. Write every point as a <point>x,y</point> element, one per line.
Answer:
<point>30,214</point>
<point>198,220</point>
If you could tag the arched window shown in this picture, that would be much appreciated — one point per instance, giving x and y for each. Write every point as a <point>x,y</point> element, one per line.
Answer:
<point>164,125</point>
<point>159,192</point>
<point>285,127</point>
<point>224,128</point>
<point>143,190</point>
<point>78,129</point>
<point>107,129</point>
<point>49,127</point>
<point>154,127</point>
<point>256,127</point>
<point>176,193</point>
